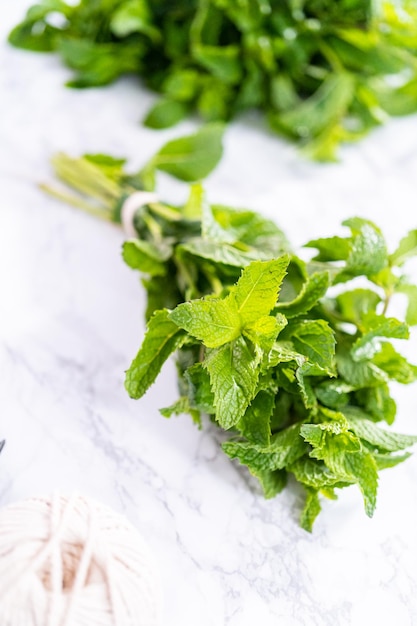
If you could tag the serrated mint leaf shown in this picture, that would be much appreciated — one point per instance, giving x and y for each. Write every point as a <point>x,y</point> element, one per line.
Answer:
<point>376,327</point>
<point>182,406</point>
<point>193,157</point>
<point>374,434</point>
<point>359,374</point>
<point>314,289</point>
<point>144,256</point>
<point>213,321</point>
<point>385,461</point>
<point>395,364</point>
<point>234,373</point>
<point>285,448</point>
<point>312,508</point>
<point>272,482</point>
<point>333,393</point>
<point>255,423</point>
<point>313,473</point>
<point>162,338</point>
<point>257,289</point>
<point>377,402</point>
<point>200,395</point>
<point>306,388</point>
<point>222,254</point>
<point>368,254</point>
<point>210,227</point>
<point>407,249</point>
<point>315,339</point>
<point>363,467</point>
<point>265,330</point>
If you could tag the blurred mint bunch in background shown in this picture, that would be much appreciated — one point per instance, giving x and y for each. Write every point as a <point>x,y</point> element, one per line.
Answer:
<point>322,72</point>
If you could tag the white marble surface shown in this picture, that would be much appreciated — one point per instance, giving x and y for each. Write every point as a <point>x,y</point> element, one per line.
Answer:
<point>71,320</point>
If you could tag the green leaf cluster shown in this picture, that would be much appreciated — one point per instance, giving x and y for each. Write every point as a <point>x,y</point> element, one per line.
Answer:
<point>322,72</point>
<point>297,377</point>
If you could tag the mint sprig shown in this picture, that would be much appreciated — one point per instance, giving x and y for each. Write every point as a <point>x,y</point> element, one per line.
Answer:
<point>296,373</point>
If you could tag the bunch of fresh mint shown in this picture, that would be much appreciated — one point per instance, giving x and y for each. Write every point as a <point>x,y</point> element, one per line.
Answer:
<point>294,371</point>
<point>322,72</point>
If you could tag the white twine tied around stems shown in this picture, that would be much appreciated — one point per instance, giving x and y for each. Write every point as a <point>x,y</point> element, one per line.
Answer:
<point>136,200</point>
<point>73,562</point>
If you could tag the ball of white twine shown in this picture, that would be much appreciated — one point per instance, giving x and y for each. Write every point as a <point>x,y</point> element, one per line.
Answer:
<point>70,561</point>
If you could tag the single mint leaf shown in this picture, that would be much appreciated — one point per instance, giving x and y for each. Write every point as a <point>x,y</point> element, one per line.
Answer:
<point>411,292</point>
<point>374,434</point>
<point>313,473</point>
<point>358,374</point>
<point>385,461</point>
<point>363,467</point>
<point>193,157</point>
<point>315,339</point>
<point>377,402</point>
<point>312,508</point>
<point>162,338</point>
<point>166,113</point>
<point>407,249</point>
<point>330,248</point>
<point>286,447</point>
<point>223,254</point>
<point>257,289</point>
<point>314,289</point>
<point>395,364</point>
<point>213,321</point>
<point>255,423</point>
<point>199,391</point>
<point>333,393</point>
<point>180,407</point>
<point>377,327</point>
<point>265,330</point>
<point>272,482</point>
<point>353,305</point>
<point>234,373</point>
<point>368,254</point>
<point>144,256</point>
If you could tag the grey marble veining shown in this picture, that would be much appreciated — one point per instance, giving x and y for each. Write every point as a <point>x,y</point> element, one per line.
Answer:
<point>71,320</point>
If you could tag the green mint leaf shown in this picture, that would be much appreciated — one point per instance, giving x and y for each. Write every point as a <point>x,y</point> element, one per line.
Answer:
<point>272,482</point>
<point>353,305</point>
<point>311,510</point>
<point>358,374</point>
<point>386,440</point>
<point>368,254</point>
<point>286,447</point>
<point>234,373</point>
<point>180,407</point>
<point>395,365</point>
<point>192,158</point>
<point>407,249</point>
<point>162,338</point>
<point>200,395</point>
<point>312,473</point>
<point>315,339</point>
<point>330,249</point>
<point>363,467</point>
<point>255,423</point>
<point>220,253</point>
<point>377,402</point>
<point>144,256</point>
<point>313,289</point>
<point>411,292</point>
<point>166,113</point>
<point>213,321</point>
<point>256,291</point>
<point>385,461</point>
<point>265,330</point>
<point>377,327</point>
